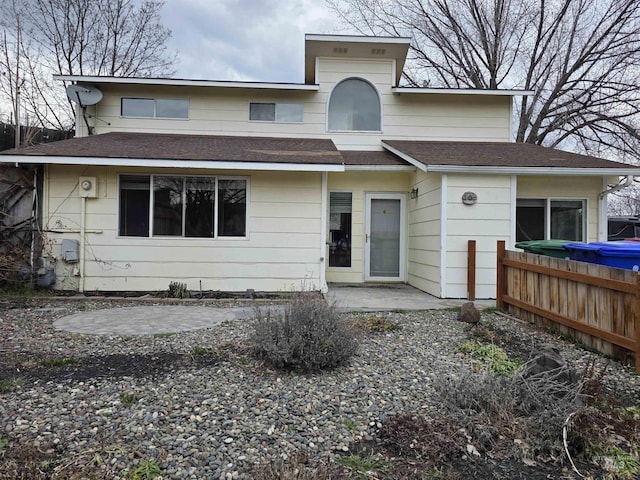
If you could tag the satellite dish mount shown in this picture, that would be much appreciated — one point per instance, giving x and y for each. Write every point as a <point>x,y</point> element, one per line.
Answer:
<point>84,95</point>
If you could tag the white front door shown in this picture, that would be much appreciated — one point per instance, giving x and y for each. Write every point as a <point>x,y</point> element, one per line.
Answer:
<point>385,236</point>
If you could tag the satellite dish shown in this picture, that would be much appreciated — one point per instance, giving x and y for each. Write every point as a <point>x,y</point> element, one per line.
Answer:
<point>84,95</point>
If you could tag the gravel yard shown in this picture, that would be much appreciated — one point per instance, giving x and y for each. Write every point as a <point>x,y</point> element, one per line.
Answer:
<point>199,406</point>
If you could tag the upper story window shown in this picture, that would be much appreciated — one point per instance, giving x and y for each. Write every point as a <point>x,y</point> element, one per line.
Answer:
<point>276,112</point>
<point>155,107</point>
<point>355,106</point>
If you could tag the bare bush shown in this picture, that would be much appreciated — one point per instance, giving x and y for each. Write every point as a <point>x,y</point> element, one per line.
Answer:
<point>309,335</point>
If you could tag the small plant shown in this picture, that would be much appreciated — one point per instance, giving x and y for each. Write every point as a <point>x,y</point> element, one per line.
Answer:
<point>376,323</point>
<point>621,463</point>
<point>178,290</point>
<point>128,399</point>
<point>309,335</point>
<point>3,442</point>
<point>58,362</point>
<point>349,424</point>
<point>499,363</point>
<point>147,470</point>
<point>199,351</point>
<point>9,385</point>
<point>364,465</point>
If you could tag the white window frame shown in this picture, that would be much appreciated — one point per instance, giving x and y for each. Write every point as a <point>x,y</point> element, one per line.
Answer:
<point>216,178</point>
<point>355,131</point>
<point>329,226</point>
<point>155,116</point>
<point>275,114</point>
<point>547,213</point>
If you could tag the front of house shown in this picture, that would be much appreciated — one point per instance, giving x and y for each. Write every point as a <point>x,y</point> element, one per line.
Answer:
<point>347,177</point>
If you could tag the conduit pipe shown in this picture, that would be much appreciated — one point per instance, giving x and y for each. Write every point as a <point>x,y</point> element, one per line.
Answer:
<point>83,211</point>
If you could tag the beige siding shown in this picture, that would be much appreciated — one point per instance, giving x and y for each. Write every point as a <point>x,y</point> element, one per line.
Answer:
<point>225,111</point>
<point>424,233</point>
<point>578,188</point>
<point>486,222</point>
<point>359,183</point>
<point>281,251</point>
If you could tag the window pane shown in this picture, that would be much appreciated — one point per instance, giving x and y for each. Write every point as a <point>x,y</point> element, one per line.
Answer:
<point>200,204</point>
<point>289,112</point>
<point>134,206</point>
<point>232,208</point>
<point>567,220</point>
<point>530,219</point>
<point>172,108</point>
<point>340,229</point>
<point>138,107</point>
<point>264,112</point>
<point>354,105</point>
<point>167,205</point>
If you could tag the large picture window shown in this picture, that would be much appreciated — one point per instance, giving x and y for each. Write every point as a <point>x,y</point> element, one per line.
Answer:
<point>545,219</point>
<point>354,106</point>
<point>182,206</point>
<point>340,229</point>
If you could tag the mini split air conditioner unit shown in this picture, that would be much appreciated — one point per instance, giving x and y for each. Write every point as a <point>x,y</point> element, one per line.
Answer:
<point>88,187</point>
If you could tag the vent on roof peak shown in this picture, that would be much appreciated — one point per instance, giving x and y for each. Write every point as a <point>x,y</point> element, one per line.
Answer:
<point>378,51</point>
<point>340,50</point>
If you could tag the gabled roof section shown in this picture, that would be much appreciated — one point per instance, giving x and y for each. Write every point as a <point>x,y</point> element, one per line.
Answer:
<point>186,151</point>
<point>182,82</point>
<point>502,158</point>
<point>353,46</point>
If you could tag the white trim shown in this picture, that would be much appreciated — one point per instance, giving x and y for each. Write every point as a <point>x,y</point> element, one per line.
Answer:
<point>443,236</point>
<point>317,71</point>
<point>462,91</point>
<point>603,206</point>
<point>323,235</point>
<point>394,67</point>
<point>149,162</point>
<point>185,82</point>
<point>512,211</point>
<point>407,158</point>
<point>511,138</point>
<point>402,266</point>
<point>317,37</point>
<point>590,171</point>
<point>379,168</point>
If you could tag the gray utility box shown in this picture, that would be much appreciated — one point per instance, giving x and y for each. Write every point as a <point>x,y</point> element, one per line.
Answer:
<point>70,250</point>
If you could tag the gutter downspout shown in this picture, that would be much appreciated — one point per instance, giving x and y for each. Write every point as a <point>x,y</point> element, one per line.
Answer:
<point>323,235</point>
<point>603,205</point>
<point>83,211</point>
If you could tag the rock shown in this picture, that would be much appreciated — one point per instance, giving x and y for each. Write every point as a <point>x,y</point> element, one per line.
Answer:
<point>548,361</point>
<point>469,314</point>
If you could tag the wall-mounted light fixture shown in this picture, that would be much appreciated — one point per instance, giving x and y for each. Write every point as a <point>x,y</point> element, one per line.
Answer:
<point>413,193</point>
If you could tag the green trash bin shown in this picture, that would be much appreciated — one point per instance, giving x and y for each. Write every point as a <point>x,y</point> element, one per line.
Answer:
<point>550,248</point>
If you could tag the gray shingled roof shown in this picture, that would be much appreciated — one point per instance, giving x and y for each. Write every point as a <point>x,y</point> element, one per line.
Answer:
<point>496,154</point>
<point>191,147</point>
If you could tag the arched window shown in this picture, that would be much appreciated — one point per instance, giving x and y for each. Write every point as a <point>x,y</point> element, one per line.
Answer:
<point>354,105</point>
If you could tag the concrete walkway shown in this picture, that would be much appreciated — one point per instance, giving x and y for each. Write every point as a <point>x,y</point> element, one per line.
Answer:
<point>158,319</point>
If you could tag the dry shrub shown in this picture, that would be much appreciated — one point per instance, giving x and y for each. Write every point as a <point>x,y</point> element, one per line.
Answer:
<point>297,467</point>
<point>308,336</point>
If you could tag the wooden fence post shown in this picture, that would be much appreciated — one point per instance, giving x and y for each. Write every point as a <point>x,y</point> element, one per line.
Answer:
<point>636,320</point>
<point>471,270</point>
<point>500,275</point>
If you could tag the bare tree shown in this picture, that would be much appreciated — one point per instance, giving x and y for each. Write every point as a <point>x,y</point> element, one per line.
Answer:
<point>80,37</point>
<point>580,57</point>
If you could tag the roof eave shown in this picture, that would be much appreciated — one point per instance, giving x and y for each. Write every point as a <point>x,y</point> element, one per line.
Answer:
<point>462,91</point>
<point>171,163</point>
<point>379,168</point>
<point>186,83</point>
<point>588,171</point>
<point>407,158</point>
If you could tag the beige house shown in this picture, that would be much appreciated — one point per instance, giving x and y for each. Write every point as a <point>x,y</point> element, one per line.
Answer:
<point>348,177</point>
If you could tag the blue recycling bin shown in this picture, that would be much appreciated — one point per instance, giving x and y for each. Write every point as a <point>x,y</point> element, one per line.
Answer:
<point>621,254</point>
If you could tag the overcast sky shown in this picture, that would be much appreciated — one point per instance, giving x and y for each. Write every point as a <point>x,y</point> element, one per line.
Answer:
<point>260,40</point>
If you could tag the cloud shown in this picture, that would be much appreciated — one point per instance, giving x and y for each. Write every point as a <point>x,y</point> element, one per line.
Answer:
<point>244,39</point>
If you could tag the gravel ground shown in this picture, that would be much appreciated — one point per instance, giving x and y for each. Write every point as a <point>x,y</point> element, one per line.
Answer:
<point>200,406</point>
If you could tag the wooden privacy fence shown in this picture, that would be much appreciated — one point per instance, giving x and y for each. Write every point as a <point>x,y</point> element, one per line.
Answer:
<point>597,305</point>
